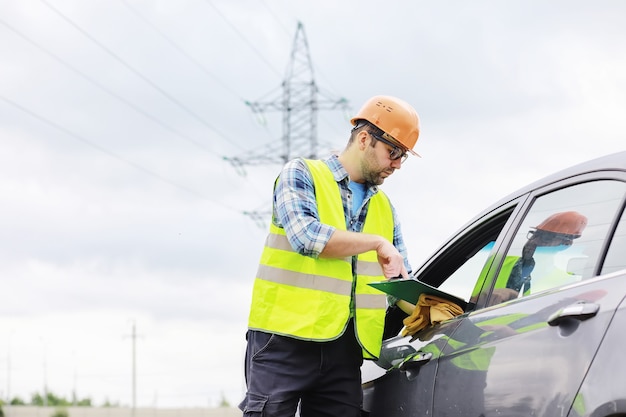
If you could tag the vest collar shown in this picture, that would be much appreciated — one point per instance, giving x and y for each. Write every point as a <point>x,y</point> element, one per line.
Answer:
<point>341,175</point>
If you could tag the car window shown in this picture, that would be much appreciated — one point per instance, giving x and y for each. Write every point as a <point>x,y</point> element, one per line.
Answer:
<point>561,238</point>
<point>462,263</point>
<point>458,265</point>
<point>462,281</point>
<point>616,256</point>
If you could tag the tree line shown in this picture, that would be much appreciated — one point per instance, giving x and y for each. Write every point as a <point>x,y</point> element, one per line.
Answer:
<point>52,400</point>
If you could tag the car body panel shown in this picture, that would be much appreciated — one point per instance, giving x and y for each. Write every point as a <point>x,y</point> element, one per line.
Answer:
<point>544,354</point>
<point>522,365</point>
<point>603,391</point>
<point>409,388</point>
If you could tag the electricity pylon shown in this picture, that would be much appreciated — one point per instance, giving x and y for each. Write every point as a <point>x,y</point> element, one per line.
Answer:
<point>299,103</point>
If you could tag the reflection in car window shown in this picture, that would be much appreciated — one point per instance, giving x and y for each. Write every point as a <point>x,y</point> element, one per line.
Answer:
<point>459,269</point>
<point>462,281</point>
<point>616,256</point>
<point>560,239</point>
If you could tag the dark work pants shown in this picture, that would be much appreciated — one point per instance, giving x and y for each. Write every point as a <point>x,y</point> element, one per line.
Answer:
<point>325,377</point>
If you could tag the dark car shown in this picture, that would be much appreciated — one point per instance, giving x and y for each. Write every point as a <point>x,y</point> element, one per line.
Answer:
<point>541,278</point>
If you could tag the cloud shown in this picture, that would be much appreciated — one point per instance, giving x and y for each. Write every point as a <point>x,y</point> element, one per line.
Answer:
<point>117,204</point>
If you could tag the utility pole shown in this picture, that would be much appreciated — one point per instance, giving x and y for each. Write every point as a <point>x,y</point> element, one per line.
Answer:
<point>74,395</point>
<point>45,372</point>
<point>9,373</point>
<point>134,378</point>
<point>299,103</point>
<point>133,337</point>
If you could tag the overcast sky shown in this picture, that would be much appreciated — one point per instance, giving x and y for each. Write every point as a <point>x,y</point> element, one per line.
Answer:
<point>118,208</point>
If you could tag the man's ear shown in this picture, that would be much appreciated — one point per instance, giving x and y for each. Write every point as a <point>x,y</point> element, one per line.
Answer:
<point>363,139</point>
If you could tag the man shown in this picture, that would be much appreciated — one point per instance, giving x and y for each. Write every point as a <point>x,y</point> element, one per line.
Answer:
<point>313,317</point>
<point>559,231</point>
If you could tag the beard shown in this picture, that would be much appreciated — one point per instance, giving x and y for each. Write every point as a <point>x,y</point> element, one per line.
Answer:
<point>377,177</point>
<point>371,170</point>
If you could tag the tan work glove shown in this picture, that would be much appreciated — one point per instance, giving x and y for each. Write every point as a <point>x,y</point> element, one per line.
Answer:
<point>429,310</point>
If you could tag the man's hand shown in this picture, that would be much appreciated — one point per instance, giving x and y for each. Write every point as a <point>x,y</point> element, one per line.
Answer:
<point>344,243</point>
<point>390,260</point>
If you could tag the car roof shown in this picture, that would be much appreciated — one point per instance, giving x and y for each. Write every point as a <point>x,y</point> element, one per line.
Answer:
<point>611,162</point>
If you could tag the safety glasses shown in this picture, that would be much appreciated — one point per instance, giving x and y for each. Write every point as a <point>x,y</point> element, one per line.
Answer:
<point>550,238</point>
<point>395,152</point>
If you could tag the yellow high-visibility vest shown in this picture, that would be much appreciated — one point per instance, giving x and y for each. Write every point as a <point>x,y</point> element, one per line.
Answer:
<point>310,299</point>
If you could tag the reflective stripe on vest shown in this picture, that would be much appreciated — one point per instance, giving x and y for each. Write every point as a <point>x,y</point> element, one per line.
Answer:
<point>309,299</point>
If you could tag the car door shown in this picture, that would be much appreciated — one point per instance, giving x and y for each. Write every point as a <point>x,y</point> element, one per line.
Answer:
<point>401,382</point>
<point>604,390</point>
<point>526,353</point>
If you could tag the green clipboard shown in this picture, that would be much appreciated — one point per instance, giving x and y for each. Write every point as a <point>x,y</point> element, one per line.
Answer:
<point>409,289</point>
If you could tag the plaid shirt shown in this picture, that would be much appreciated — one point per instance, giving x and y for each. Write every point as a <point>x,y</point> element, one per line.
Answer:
<point>295,209</point>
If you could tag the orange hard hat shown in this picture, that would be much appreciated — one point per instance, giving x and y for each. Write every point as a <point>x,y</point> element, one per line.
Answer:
<point>393,116</point>
<point>568,223</point>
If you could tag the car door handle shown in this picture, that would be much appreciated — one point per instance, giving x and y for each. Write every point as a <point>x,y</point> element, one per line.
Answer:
<point>415,361</point>
<point>577,311</point>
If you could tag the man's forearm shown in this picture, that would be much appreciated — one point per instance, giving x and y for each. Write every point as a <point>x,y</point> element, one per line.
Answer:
<point>343,243</point>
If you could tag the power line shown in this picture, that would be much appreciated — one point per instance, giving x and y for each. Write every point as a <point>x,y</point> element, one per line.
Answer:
<point>139,74</point>
<point>195,61</point>
<point>112,154</point>
<point>280,23</point>
<point>346,107</point>
<point>256,51</point>
<point>303,90</point>
<point>180,49</point>
<point>108,91</point>
<point>299,102</point>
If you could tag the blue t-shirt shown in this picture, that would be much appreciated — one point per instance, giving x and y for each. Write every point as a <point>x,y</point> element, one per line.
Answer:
<point>358,194</point>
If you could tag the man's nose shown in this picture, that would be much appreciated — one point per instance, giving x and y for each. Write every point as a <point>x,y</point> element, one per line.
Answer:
<point>396,163</point>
